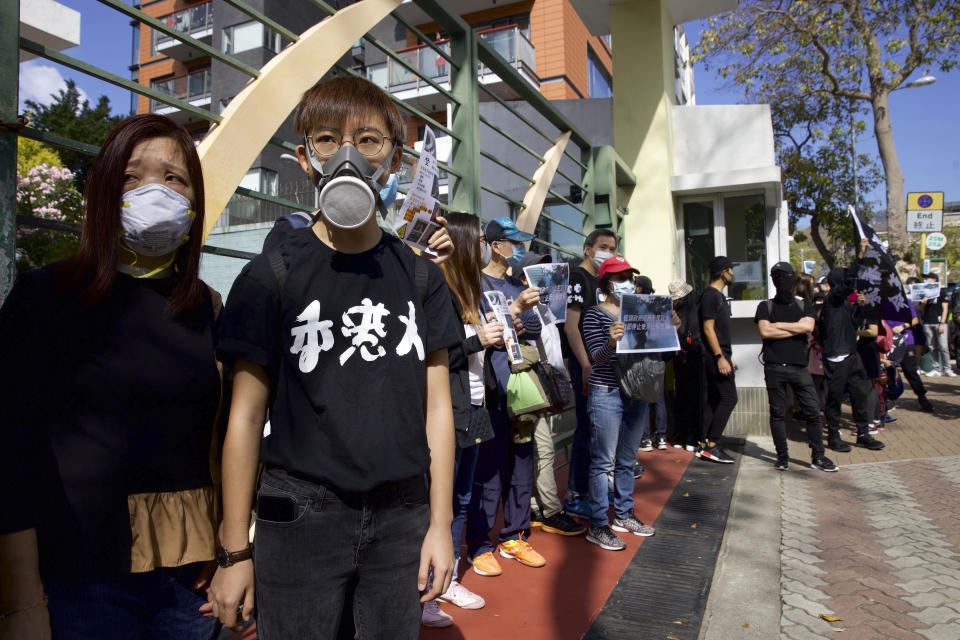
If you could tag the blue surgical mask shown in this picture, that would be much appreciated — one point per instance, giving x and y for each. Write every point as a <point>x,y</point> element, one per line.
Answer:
<point>624,287</point>
<point>519,253</point>
<point>388,194</point>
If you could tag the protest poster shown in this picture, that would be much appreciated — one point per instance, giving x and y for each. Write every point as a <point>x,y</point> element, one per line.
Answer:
<point>877,278</point>
<point>501,311</point>
<point>646,323</point>
<point>921,290</point>
<point>417,220</point>
<point>554,278</point>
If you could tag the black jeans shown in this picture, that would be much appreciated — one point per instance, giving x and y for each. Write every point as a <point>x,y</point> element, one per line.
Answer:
<point>690,399</point>
<point>909,367</point>
<point>338,544</point>
<point>580,448</point>
<point>848,371</point>
<point>780,379</point>
<point>721,399</point>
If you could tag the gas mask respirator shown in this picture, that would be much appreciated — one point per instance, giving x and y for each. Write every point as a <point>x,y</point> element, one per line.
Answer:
<point>348,187</point>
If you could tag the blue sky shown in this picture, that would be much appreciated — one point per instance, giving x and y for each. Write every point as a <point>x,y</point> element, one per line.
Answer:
<point>925,120</point>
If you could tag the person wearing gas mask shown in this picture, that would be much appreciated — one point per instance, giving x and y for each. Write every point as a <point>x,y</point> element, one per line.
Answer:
<point>785,323</point>
<point>110,395</point>
<point>598,246</point>
<point>721,385</point>
<point>343,334</point>
<point>505,468</point>
<point>840,321</point>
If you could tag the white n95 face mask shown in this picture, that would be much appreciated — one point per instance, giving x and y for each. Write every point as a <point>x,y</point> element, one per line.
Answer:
<point>156,220</point>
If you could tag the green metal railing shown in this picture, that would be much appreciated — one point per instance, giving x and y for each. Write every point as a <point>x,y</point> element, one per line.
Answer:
<point>461,92</point>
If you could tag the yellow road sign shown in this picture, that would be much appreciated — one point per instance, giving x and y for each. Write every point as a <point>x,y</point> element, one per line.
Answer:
<point>925,200</point>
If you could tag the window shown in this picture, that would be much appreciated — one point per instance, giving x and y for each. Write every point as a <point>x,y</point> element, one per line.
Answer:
<point>250,35</point>
<point>198,83</point>
<point>598,80</point>
<point>698,241</point>
<point>262,180</point>
<point>564,245</point>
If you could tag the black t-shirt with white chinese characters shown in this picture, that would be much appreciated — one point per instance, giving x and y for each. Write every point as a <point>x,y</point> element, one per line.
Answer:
<point>713,304</point>
<point>792,350</point>
<point>345,348</point>
<point>582,293</point>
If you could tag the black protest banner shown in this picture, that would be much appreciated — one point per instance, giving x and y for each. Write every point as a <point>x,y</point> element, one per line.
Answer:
<point>877,278</point>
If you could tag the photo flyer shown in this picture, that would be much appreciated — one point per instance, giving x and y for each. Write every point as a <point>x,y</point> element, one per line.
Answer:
<point>647,327</point>
<point>417,220</point>
<point>554,278</point>
<point>921,290</point>
<point>501,311</point>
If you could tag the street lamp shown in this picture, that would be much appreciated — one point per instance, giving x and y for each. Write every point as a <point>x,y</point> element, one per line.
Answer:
<point>924,81</point>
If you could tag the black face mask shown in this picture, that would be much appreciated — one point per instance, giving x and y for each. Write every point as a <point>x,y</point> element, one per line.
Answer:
<point>840,282</point>
<point>784,285</point>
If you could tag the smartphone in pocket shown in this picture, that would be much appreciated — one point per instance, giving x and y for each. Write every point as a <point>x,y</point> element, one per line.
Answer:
<point>276,508</point>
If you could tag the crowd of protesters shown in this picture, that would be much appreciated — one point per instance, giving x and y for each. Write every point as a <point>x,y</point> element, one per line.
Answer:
<point>135,447</point>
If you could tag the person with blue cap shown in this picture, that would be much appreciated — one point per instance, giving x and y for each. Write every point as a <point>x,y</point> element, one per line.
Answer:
<point>505,468</point>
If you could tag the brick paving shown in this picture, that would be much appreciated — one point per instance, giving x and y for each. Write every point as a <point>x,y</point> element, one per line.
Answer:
<point>878,543</point>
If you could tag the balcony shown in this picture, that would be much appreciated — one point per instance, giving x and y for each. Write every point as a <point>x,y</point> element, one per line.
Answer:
<point>193,88</point>
<point>196,22</point>
<point>508,41</point>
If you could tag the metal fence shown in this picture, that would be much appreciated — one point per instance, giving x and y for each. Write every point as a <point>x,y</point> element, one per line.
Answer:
<point>486,82</point>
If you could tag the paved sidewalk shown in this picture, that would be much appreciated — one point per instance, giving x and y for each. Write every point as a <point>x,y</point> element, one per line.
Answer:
<point>876,545</point>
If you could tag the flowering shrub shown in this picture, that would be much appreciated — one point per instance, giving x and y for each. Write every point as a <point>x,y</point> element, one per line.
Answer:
<point>46,192</point>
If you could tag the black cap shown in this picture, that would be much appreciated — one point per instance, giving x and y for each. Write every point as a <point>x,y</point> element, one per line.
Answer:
<point>503,228</point>
<point>644,283</point>
<point>785,267</point>
<point>718,264</point>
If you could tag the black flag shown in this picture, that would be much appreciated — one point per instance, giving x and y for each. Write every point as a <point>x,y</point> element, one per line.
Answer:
<point>878,279</point>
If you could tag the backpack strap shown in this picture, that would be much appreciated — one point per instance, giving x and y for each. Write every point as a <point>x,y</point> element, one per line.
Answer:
<point>278,266</point>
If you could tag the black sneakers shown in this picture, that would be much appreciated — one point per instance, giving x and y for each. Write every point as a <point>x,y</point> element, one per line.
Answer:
<point>925,404</point>
<point>605,538</point>
<point>867,441</point>
<point>782,464</point>
<point>562,524</point>
<point>823,463</point>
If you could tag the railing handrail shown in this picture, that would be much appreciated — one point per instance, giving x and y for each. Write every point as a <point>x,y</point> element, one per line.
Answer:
<point>207,24</point>
<point>480,33</point>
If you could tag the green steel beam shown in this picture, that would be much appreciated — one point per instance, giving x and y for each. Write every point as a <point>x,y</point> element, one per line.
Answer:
<point>403,105</point>
<point>259,17</point>
<point>464,193</point>
<point>259,195</point>
<point>501,194</point>
<point>503,103</point>
<point>488,56</point>
<point>544,214</point>
<point>229,253</point>
<point>425,39</point>
<point>509,137</point>
<point>393,55</point>
<point>410,151</point>
<point>558,248</point>
<point>59,141</point>
<point>493,158</point>
<point>565,201</point>
<point>9,99</point>
<point>125,8</point>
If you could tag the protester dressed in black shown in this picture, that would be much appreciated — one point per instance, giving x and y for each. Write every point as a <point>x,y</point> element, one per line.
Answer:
<point>785,323</point>
<point>839,322</point>
<point>721,385</point>
<point>689,374</point>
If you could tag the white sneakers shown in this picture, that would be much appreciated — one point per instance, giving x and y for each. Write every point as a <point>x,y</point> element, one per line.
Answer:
<point>460,596</point>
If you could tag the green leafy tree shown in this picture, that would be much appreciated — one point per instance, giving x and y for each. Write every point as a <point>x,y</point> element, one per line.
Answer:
<point>854,50</point>
<point>31,153</point>
<point>70,117</point>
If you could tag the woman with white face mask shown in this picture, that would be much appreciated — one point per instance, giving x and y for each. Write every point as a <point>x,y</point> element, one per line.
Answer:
<point>108,506</point>
<point>616,419</point>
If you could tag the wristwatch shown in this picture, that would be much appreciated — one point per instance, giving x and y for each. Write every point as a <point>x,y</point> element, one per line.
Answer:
<point>717,356</point>
<point>227,558</point>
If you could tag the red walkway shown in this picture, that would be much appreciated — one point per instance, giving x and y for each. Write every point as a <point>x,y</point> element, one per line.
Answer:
<point>560,600</point>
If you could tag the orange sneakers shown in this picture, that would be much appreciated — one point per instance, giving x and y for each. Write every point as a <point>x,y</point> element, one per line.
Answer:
<point>521,551</point>
<point>486,564</point>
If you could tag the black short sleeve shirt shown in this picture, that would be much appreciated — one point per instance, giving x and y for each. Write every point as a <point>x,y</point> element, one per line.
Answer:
<point>581,294</point>
<point>714,305</point>
<point>345,346</point>
<point>934,310</point>
<point>792,350</point>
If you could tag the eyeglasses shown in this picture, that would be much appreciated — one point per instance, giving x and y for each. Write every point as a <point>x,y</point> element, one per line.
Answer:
<point>368,141</point>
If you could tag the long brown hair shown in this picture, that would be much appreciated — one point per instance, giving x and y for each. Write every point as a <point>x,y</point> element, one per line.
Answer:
<point>462,270</point>
<point>803,287</point>
<point>91,271</point>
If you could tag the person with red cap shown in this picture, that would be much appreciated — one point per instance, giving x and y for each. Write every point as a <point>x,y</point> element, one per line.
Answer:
<point>616,419</point>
